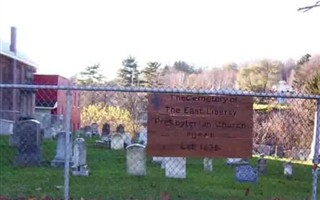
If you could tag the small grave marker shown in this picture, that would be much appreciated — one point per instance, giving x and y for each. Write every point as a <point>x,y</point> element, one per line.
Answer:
<point>246,173</point>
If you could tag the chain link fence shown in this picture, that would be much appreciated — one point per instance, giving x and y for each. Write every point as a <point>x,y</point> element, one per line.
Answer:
<point>92,143</point>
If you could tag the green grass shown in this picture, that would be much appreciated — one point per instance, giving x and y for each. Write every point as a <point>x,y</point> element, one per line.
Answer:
<point>108,179</point>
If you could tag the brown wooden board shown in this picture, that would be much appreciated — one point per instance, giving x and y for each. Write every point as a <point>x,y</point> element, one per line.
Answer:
<point>200,125</point>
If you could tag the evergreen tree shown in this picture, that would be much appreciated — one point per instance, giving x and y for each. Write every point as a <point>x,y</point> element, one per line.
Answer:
<point>129,74</point>
<point>304,59</point>
<point>184,67</point>
<point>91,76</point>
<point>152,74</point>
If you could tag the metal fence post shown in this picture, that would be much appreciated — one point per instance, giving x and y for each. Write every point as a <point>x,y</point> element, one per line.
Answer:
<point>316,153</point>
<point>67,142</point>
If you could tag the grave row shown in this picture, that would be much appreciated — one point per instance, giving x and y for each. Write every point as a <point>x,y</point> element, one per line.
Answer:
<point>28,140</point>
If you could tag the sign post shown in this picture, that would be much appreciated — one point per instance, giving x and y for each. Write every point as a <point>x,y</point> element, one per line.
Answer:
<point>200,126</point>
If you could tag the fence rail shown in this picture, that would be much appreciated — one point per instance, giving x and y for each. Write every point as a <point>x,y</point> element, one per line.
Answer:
<point>163,90</point>
<point>105,156</point>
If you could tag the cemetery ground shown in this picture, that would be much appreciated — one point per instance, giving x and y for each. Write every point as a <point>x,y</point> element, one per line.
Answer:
<point>108,179</point>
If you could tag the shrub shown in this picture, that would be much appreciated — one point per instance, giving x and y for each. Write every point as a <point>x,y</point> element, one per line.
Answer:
<point>290,127</point>
<point>100,113</point>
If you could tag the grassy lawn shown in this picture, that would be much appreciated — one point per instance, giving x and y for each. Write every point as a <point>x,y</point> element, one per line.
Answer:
<point>108,179</point>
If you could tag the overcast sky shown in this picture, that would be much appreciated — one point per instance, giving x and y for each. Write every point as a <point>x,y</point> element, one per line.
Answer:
<point>64,37</point>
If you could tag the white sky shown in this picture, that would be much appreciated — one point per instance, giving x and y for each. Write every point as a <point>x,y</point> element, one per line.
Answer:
<point>64,37</point>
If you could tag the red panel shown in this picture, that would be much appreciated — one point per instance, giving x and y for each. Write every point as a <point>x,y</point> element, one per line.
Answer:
<point>60,97</point>
<point>43,94</point>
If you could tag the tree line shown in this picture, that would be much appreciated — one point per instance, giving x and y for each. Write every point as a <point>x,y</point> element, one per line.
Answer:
<point>291,128</point>
<point>257,76</point>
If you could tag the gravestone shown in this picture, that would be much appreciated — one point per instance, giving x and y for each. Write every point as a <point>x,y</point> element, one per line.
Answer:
<point>105,138</point>
<point>59,158</point>
<point>95,129</point>
<point>87,131</point>
<point>105,129</point>
<point>288,169</point>
<point>163,162</point>
<point>6,127</point>
<point>13,138</point>
<point>156,159</point>
<point>56,128</point>
<point>236,161</point>
<point>264,149</point>
<point>105,135</point>
<point>159,160</point>
<point>126,139</point>
<point>79,158</point>
<point>207,164</point>
<point>175,167</point>
<point>143,137</point>
<point>136,160</point>
<point>246,173</point>
<point>262,164</point>
<point>28,143</point>
<point>117,141</point>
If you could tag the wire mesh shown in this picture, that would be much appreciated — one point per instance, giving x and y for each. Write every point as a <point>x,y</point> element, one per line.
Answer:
<point>109,142</point>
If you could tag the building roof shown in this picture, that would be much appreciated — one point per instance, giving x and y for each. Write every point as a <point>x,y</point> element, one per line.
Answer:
<point>19,56</point>
<point>51,75</point>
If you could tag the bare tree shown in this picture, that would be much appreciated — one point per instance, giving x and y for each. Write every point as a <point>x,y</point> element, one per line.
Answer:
<point>217,78</point>
<point>307,8</point>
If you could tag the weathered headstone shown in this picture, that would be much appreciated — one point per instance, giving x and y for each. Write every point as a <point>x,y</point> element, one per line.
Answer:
<point>6,127</point>
<point>126,139</point>
<point>13,138</point>
<point>59,159</point>
<point>79,158</point>
<point>117,141</point>
<point>136,160</point>
<point>207,164</point>
<point>95,129</point>
<point>28,143</point>
<point>163,162</point>
<point>288,169</point>
<point>236,161</point>
<point>143,136</point>
<point>54,129</point>
<point>105,130</point>
<point>175,167</point>
<point>262,164</point>
<point>105,138</point>
<point>246,173</point>
<point>156,159</point>
<point>87,131</point>
<point>126,136</point>
<point>264,149</point>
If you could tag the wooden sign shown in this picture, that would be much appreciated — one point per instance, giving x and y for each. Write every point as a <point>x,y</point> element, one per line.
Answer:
<point>200,126</point>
